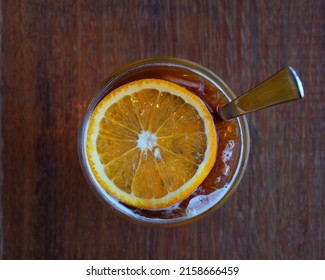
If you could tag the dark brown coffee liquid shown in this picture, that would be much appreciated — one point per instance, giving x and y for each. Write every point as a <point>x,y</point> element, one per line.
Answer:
<point>228,140</point>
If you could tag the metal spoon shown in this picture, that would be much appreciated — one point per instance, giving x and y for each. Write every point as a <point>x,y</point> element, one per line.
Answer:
<point>282,87</point>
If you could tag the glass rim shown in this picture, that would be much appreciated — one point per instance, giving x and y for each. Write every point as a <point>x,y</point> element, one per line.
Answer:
<point>106,86</point>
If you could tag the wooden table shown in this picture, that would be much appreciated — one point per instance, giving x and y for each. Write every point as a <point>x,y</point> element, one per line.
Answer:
<point>53,56</point>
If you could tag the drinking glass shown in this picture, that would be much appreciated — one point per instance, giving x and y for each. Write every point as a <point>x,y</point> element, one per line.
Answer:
<point>233,140</point>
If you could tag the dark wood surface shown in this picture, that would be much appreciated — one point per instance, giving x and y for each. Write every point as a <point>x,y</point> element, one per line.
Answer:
<point>53,56</point>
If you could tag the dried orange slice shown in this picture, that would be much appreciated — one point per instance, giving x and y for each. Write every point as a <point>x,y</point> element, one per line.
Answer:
<point>151,143</point>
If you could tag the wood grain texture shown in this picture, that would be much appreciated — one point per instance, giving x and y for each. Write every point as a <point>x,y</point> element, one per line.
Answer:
<point>1,139</point>
<point>53,56</point>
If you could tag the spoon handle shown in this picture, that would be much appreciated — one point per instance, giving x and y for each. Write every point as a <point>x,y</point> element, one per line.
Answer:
<point>283,86</point>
